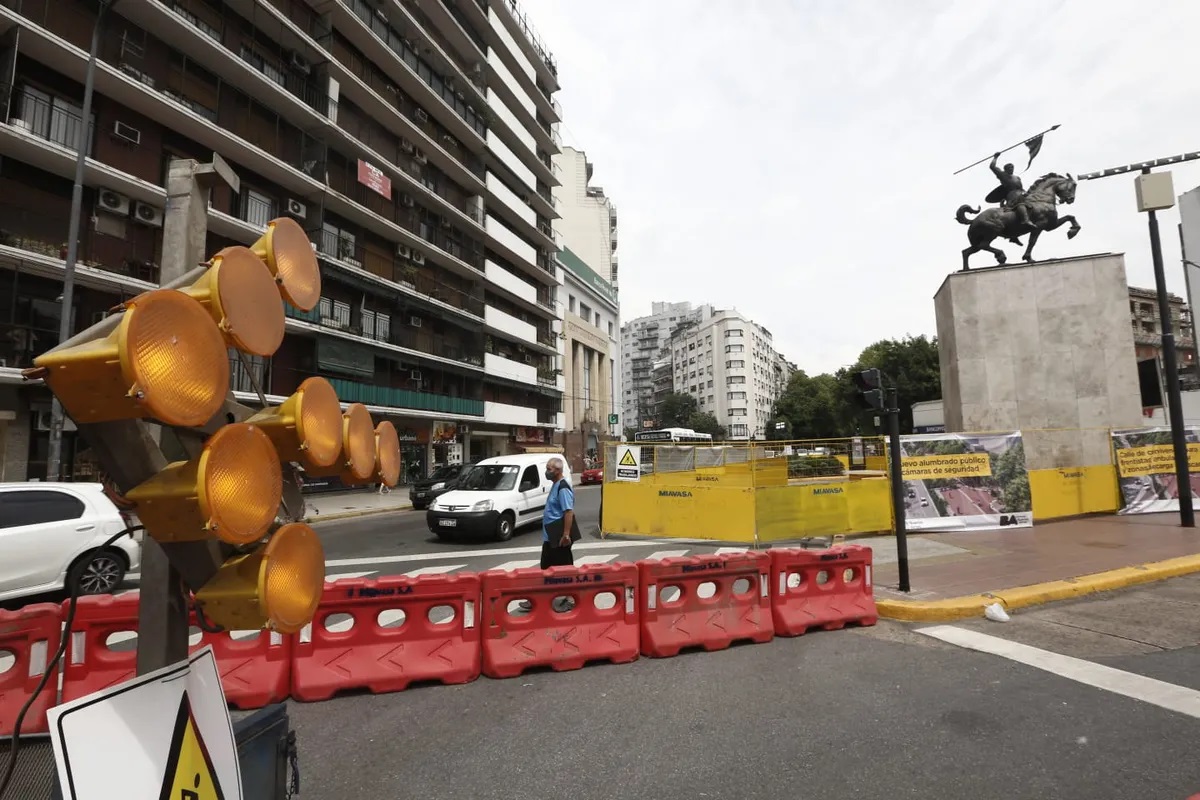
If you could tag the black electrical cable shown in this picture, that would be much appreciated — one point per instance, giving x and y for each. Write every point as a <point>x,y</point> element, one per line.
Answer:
<point>52,666</point>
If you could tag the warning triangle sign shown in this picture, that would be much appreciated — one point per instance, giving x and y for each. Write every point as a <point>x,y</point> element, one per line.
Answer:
<point>627,460</point>
<point>190,774</point>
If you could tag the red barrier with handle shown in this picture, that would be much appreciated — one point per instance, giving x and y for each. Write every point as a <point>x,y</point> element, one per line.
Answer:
<point>395,631</point>
<point>738,607</point>
<point>825,589</point>
<point>255,666</point>
<point>29,638</point>
<point>598,623</point>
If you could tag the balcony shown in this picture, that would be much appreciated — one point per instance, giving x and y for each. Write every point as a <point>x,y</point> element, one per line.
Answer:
<point>503,279</point>
<point>509,325</point>
<point>504,414</point>
<point>504,154</point>
<point>511,201</point>
<point>354,392</point>
<point>500,367</point>
<point>510,244</point>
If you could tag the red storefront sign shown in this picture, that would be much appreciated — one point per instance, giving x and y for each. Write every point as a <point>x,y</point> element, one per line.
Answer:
<point>373,178</point>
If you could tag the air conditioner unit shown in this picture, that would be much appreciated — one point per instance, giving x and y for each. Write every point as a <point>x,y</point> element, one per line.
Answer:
<point>422,116</point>
<point>126,133</point>
<point>112,202</point>
<point>403,251</point>
<point>415,376</point>
<point>406,145</point>
<point>418,257</point>
<point>297,209</point>
<point>147,214</point>
<point>298,63</point>
<point>414,321</point>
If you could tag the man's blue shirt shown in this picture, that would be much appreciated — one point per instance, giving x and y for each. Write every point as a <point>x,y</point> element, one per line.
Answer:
<point>560,501</point>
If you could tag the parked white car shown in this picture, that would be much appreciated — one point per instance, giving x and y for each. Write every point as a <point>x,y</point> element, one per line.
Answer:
<point>51,530</point>
<point>494,498</point>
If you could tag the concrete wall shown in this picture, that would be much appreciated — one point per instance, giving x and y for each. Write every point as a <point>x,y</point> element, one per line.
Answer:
<point>14,435</point>
<point>1038,347</point>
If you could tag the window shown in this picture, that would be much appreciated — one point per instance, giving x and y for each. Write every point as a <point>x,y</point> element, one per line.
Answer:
<point>610,330</point>
<point>530,477</point>
<point>571,303</point>
<point>738,430</point>
<point>38,507</point>
<point>735,333</point>
<point>335,313</point>
<point>257,208</point>
<point>376,325</point>
<point>585,311</point>
<point>597,319</point>
<point>735,348</point>
<point>735,380</point>
<point>53,118</point>
<point>587,378</point>
<point>248,376</point>
<point>737,395</point>
<point>737,412</point>
<point>262,64</point>
<point>739,364</point>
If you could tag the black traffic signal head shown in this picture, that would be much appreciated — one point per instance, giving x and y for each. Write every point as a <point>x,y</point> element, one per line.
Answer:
<point>870,387</point>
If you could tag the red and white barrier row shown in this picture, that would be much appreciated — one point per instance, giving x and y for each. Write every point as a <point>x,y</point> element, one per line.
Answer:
<point>450,629</point>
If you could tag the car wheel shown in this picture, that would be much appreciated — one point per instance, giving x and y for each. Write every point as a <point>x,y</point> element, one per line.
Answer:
<point>504,527</point>
<point>100,572</point>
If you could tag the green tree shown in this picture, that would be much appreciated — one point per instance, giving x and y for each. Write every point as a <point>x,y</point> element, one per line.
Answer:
<point>774,433</point>
<point>704,422</point>
<point>911,365</point>
<point>629,432</point>
<point>676,410</point>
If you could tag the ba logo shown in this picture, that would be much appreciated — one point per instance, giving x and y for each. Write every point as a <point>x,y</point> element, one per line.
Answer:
<point>1009,519</point>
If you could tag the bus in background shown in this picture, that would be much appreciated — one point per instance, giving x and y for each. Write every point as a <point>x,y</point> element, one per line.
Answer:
<point>683,435</point>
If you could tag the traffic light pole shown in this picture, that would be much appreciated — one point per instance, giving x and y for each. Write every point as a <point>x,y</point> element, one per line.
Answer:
<point>893,414</point>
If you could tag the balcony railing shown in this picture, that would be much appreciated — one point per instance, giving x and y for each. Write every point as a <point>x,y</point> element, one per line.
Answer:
<point>54,119</point>
<point>547,417</point>
<point>397,270</point>
<point>353,392</point>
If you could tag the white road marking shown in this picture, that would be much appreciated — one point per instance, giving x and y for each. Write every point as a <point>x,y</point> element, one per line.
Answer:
<point>579,562</point>
<point>345,576</point>
<point>503,551</point>
<point>659,555</point>
<point>510,565</point>
<point>436,569</point>
<point>723,550</point>
<point>1149,690</point>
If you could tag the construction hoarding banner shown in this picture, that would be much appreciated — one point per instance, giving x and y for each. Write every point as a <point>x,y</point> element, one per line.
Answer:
<point>1145,462</point>
<point>958,481</point>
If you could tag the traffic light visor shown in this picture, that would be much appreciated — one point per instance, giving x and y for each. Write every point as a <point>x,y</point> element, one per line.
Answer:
<point>289,256</point>
<point>278,585</point>
<point>307,427</point>
<point>387,454</point>
<point>232,490</point>
<point>357,461</point>
<point>166,360</point>
<point>241,296</point>
<point>868,379</point>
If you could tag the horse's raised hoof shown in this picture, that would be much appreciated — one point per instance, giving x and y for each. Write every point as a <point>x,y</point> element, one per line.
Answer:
<point>1072,233</point>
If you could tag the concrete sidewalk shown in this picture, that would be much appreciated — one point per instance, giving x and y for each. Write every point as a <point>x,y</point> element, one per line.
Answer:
<point>355,503</point>
<point>1030,566</point>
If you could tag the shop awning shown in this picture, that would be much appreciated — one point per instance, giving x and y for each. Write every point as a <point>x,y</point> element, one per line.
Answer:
<point>541,448</point>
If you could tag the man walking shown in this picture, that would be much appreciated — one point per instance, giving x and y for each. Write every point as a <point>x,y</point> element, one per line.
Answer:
<point>559,516</point>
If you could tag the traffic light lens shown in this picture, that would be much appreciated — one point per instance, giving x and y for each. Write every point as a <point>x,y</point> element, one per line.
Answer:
<point>173,357</point>
<point>293,577</point>
<point>387,454</point>
<point>320,421</point>
<point>289,254</point>
<point>241,483</point>
<point>360,442</point>
<point>242,297</point>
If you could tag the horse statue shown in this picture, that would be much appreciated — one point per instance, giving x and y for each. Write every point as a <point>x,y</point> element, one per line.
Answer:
<point>1040,205</point>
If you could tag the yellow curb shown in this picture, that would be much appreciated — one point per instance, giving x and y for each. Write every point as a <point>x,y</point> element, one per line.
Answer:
<point>312,518</point>
<point>955,608</point>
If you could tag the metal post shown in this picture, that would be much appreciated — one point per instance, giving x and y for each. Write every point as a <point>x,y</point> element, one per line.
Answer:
<point>1187,515</point>
<point>54,454</point>
<point>893,413</point>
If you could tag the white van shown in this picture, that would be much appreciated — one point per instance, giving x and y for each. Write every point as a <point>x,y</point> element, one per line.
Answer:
<point>495,497</point>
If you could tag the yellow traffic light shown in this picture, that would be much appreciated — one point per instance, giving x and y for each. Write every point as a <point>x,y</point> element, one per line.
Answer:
<point>387,454</point>
<point>166,360</point>
<point>307,427</point>
<point>241,296</point>
<point>289,255</point>
<point>232,490</point>
<point>356,463</point>
<point>277,585</point>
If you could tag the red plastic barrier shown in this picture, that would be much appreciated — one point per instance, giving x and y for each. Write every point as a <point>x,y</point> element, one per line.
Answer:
<point>713,622</point>
<point>29,639</point>
<point>592,630</point>
<point>373,652</point>
<point>825,589</point>
<point>255,667</point>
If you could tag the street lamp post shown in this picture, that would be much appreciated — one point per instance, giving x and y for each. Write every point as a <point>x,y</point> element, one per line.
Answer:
<point>54,452</point>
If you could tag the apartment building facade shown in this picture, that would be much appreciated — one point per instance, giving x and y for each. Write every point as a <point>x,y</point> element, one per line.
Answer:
<point>591,326</point>
<point>1147,326</point>
<point>588,218</point>
<point>644,344</point>
<point>412,140</point>
<point>730,365</point>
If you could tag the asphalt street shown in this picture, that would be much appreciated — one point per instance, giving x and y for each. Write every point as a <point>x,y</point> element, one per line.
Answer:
<point>884,712</point>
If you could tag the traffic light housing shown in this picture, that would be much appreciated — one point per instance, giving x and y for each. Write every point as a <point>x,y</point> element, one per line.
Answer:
<point>870,389</point>
<point>164,359</point>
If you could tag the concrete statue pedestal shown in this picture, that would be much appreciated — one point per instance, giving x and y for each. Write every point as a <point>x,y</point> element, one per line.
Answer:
<point>1044,348</point>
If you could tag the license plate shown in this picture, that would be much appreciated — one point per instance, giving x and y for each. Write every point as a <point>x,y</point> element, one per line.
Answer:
<point>447,523</point>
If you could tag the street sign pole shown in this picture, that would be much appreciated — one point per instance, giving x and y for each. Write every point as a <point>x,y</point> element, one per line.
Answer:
<point>893,413</point>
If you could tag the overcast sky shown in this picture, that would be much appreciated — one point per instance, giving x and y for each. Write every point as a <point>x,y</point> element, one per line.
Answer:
<point>794,159</point>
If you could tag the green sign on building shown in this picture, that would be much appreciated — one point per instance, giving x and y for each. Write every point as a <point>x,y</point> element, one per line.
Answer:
<point>612,419</point>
